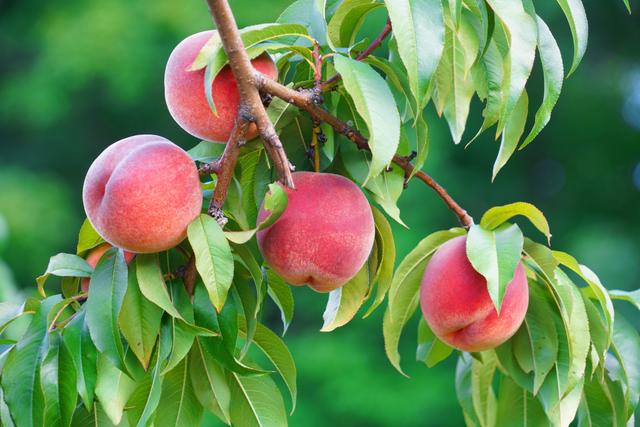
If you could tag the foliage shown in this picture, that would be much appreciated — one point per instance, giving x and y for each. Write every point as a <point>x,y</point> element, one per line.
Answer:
<point>142,349</point>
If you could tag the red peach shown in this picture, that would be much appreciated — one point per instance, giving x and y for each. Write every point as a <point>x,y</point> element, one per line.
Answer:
<point>141,193</point>
<point>457,306</point>
<point>185,94</point>
<point>94,256</point>
<point>325,234</point>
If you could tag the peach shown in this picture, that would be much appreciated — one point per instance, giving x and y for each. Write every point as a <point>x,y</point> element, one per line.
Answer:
<point>94,256</point>
<point>457,306</point>
<point>141,193</point>
<point>185,94</point>
<point>325,234</point>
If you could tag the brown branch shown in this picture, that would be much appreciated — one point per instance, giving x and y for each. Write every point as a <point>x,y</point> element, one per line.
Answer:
<point>304,100</point>
<point>373,46</point>
<point>251,110</point>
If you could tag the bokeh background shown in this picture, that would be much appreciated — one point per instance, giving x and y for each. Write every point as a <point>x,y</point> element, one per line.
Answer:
<point>77,75</point>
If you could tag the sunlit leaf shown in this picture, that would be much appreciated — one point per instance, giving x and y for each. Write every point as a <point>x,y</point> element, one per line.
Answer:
<point>64,265</point>
<point>344,302</point>
<point>498,215</point>
<point>280,293</point>
<point>388,254</point>
<point>113,389</point>
<point>577,18</point>
<point>513,130</point>
<point>256,402</point>
<point>347,20</point>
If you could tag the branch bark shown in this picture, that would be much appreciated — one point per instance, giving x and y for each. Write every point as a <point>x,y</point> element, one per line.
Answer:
<point>251,111</point>
<point>304,101</point>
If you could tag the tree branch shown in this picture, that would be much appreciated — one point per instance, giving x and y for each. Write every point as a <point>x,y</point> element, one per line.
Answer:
<point>251,108</point>
<point>373,46</point>
<point>304,100</point>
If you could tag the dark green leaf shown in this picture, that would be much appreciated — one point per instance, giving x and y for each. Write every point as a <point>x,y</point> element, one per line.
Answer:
<point>281,294</point>
<point>209,382</point>
<point>179,404</point>
<point>58,382</point>
<point>106,293</point>
<point>78,341</point>
<point>626,347</point>
<point>214,260</point>
<point>386,243</point>
<point>347,20</point>
<point>517,407</point>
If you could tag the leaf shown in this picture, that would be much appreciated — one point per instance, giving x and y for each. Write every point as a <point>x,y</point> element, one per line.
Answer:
<point>214,260</point>
<point>600,406</point>
<point>256,401</point>
<point>626,347</point>
<point>106,293</point>
<point>577,19</point>
<point>384,236</point>
<point>454,85</point>
<point>464,389</point>
<point>490,68</point>
<point>482,395</point>
<point>64,265</point>
<point>139,320</point>
<point>404,292</point>
<point>20,374</point>
<point>277,352</point>
<point>113,389</point>
<point>178,405</point>
<point>94,417</point>
<point>553,71</point>
<point>88,237</point>
<point>176,331</point>
<point>539,330</point>
<point>152,285</point>
<point>5,415</point>
<point>418,27</point>
<point>281,294</point>
<point>522,34</point>
<point>206,151</point>
<point>430,349</point>
<point>209,382</point>
<point>347,20</point>
<point>496,255</point>
<point>344,302</point>
<point>58,382</point>
<point>632,297</point>
<point>374,102</point>
<point>517,407</point>
<point>84,355</point>
<point>598,332</point>
<point>498,215</point>
<point>309,13</point>
<point>513,130</point>
<point>422,144</point>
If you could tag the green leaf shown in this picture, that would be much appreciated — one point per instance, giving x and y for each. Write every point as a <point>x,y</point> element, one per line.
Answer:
<point>418,27</point>
<point>58,382</point>
<point>482,394</point>
<point>88,237</point>
<point>152,285</point>
<point>386,243</point>
<point>577,19</point>
<point>309,13</point>
<point>178,332</point>
<point>139,320</point>
<point>256,402</point>
<point>517,407</point>
<point>20,374</point>
<point>281,294</point>
<point>277,352</point>
<point>430,349</point>
<point>553,71</point>
<point>344,302</point>
<point>464,389</point>
<point>601,404</point>
<point>209,382</point>
<point>5,415</point>
<point>206,151</point>
<point>84,355</point>
<point>596,287</point>
<point>498,215</point>
<point>489,72</point>
<point>214,260</point>
<point>109,284</point>
<point>374,102</point>
<point>599,334</point>
<point>522,35</point>
<point>626,347</point>
<point>113,389</point>
<point>632,297</point>
<point>496,255</point>
<point>405,291</point>
<point>64,265</point>
<point>422,144</point>
<point>179,404</point>
<point>347,20</point>
<point>94,417</point>
<point>454,85</point>
<point>513,130</point>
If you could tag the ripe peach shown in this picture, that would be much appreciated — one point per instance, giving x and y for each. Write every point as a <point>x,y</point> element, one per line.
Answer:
<point>324,236</point>
<point>185,94</point>
<point>141,193</point>
<point>94,256</point>
<point>457,306</point>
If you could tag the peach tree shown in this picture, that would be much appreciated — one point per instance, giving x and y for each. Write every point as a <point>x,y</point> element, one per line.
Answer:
<point>310,136</point>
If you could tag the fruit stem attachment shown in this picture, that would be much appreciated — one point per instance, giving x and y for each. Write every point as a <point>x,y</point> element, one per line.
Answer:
<point>372,46</point>
<point>251,110</point>
<point>304,100</point>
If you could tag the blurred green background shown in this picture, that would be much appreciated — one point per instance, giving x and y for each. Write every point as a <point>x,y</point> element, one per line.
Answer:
<point>75,76</point>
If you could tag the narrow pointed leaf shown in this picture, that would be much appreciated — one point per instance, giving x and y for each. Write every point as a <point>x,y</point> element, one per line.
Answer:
<point>577,19</point>
<point>498,215</point>
<point>513,130</point>
<point>178,405</point>
<point>344,302</point>
<point>84,355</point>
